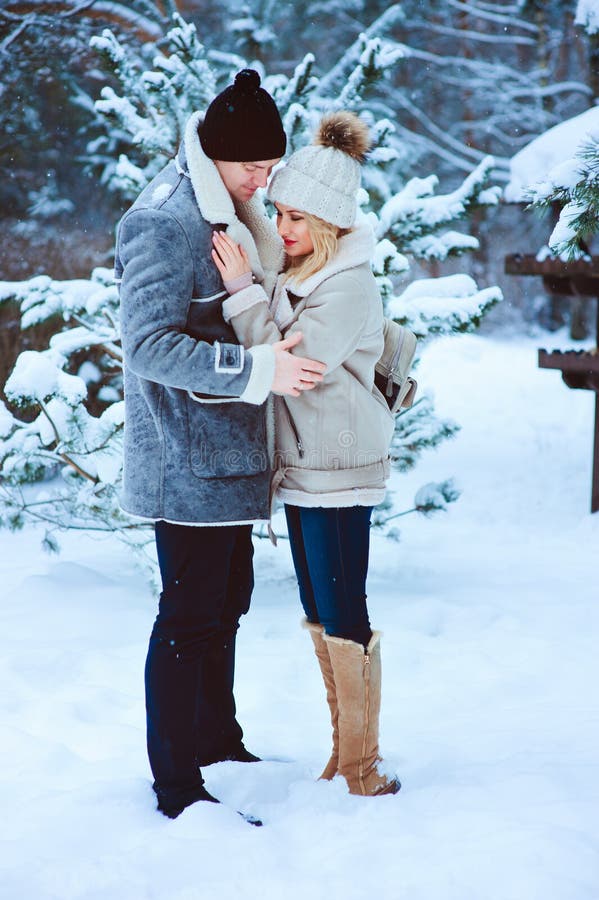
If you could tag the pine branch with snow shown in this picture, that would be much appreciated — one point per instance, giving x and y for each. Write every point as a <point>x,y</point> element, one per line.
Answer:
<point>293,97</point>
<point>574,186</point>
<point>417,218</point>
<point>419,429</point>
<point>436,306</point>
<point>376,58</point>
<point>253,30</point>
<point>160,90</point>
<point>587,15</point>
<point>52,437</point>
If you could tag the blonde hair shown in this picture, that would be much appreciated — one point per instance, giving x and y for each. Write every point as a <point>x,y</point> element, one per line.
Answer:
<point>324,237</point>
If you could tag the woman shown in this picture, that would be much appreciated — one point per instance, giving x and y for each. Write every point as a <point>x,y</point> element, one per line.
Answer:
<point>331,444</point>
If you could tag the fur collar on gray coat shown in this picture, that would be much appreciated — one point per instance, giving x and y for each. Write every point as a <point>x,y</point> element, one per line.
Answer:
<point>247,223</point>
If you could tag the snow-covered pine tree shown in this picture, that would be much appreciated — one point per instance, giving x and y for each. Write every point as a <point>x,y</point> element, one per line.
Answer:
<point>36,40</point>
<point>73,445</point>
<point>574,185</point>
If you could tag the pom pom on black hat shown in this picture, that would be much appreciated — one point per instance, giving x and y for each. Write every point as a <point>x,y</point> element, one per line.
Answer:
<point>346,132</point>
<point>247,81</point>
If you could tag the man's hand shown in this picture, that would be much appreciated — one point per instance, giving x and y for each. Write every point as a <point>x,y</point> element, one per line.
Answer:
<point>294,374</point>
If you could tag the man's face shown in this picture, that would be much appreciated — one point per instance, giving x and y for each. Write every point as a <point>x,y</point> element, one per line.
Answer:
<point>242,179</point>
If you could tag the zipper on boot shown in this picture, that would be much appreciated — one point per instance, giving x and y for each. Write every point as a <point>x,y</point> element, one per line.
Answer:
<point>366,673</point>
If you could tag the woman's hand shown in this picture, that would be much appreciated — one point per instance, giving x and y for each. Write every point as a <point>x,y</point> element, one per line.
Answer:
<point>230,258</point>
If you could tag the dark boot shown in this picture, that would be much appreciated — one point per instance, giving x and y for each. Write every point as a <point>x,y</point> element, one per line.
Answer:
<point>171,678</point>
<point>219,733</point>
<point>170,806</point>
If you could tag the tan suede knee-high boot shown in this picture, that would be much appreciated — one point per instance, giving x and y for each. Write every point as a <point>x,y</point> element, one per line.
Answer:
<point>357,679</point>
<point>324,661</point>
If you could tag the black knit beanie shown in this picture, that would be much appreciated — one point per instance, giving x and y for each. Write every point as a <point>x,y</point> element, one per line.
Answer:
<point>242,124</point>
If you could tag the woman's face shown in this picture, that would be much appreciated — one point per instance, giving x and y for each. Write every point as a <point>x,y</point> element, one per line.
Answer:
<point>293,228</point>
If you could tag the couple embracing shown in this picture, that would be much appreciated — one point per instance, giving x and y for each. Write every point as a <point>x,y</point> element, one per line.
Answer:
<point>249,377</point>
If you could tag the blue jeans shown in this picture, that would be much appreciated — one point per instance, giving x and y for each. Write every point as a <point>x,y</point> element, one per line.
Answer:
<point>207,581</point>
<point>330,554</point>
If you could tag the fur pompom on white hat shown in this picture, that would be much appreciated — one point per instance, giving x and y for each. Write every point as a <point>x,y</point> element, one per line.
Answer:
<point>323,178</point>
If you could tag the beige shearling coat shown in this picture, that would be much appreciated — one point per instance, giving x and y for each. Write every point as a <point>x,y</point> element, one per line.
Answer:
<point>331,443</point>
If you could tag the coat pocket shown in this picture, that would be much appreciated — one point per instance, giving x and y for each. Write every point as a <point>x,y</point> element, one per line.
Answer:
<point>226,440</point>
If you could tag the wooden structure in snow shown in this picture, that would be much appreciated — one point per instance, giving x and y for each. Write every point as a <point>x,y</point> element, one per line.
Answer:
<point>580,369</point>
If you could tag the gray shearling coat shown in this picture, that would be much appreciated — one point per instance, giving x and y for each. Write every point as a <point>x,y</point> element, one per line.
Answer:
<point>195,435</point>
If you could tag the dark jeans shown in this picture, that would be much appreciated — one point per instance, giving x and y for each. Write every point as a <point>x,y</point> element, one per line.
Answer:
<point>330,555</point>
<point>207,581</point>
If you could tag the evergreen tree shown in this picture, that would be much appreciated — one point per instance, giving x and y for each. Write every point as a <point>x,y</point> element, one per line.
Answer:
<point>40,128</point>
<point>70,437</point>
<point>573,186</point>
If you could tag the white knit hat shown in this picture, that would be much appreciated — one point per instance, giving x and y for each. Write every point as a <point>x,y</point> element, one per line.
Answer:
<point>323,179</point>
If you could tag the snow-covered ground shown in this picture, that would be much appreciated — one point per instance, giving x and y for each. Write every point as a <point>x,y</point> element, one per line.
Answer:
<point>490,714</point>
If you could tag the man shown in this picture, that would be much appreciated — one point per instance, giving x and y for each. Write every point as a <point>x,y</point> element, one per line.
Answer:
<point>196,459</point>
